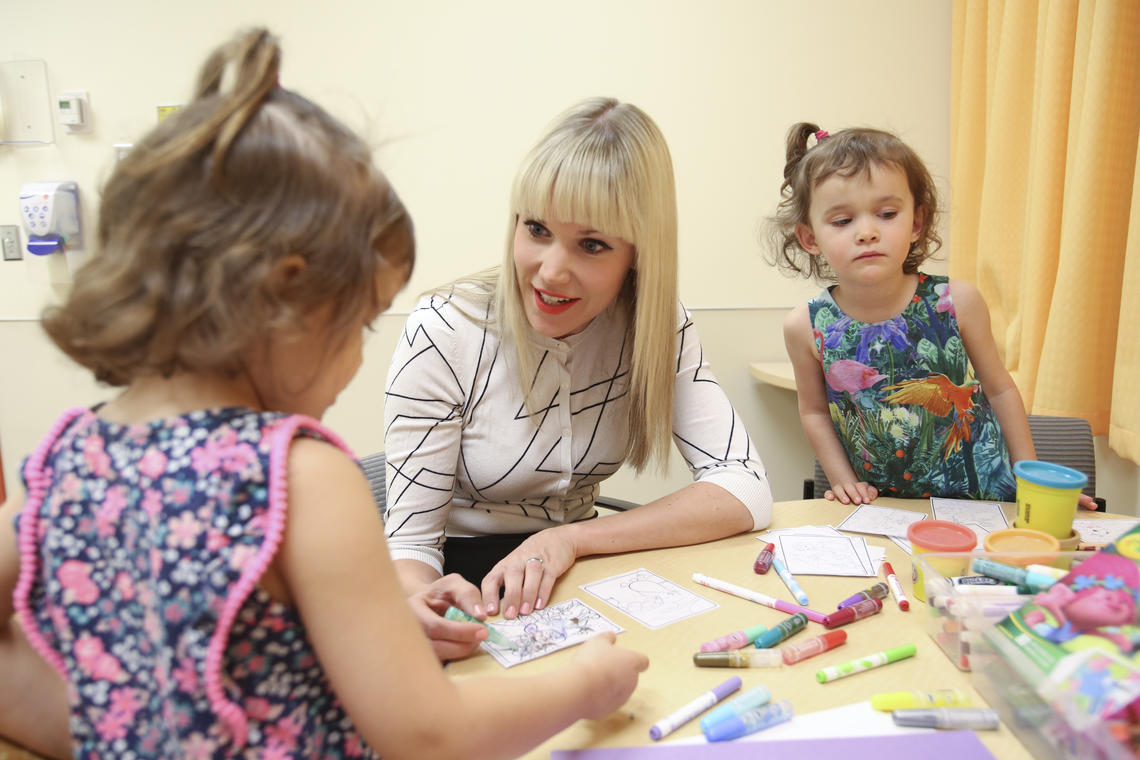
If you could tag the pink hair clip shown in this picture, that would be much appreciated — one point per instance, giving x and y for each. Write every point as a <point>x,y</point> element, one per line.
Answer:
<point>821,134</point>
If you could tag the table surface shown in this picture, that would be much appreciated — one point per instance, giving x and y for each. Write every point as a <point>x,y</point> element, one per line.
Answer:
<point>778,374</point>
<point>672,680</point>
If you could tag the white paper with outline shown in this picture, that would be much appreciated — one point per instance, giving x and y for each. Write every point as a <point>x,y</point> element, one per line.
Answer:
<point>883,521</point>
<point>651,600</point>
<point>548,630</point>
<point>1099,531</point>
<point>826,555</point>
<point>988,514</point>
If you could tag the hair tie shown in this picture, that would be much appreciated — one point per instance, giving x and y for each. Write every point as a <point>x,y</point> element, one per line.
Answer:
<point>821,134</point>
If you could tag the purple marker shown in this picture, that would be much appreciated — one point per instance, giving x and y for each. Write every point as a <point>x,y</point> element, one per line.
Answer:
<point>878,591</point>
<point>675,720</point>
<point>735,640</point>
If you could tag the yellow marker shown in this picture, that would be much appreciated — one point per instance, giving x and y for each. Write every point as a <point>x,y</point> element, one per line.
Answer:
<point>908,700</point>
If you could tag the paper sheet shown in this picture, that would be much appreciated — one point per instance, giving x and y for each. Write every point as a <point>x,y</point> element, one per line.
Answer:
<point>548,630</point>
<point>648,598</point>
<point>988,514</point>
<point>884,521</point>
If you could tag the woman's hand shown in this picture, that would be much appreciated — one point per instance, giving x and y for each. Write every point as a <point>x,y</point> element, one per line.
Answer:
<point>450,639</point>
<point>852,493</point>
<point>527,574</point>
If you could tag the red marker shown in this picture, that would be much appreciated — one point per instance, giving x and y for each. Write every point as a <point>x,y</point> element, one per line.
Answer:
<point>856,611</point>
<point>810,648</point>
<point>764,561</point>
<point>896,587</point>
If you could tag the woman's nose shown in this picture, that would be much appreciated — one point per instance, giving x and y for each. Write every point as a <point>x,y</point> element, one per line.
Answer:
<point>555,267</point>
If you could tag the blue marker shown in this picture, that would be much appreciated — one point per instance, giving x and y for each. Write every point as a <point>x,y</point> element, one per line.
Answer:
<point>750,722</point>
<point>746,702</point>
<point>789,581</point>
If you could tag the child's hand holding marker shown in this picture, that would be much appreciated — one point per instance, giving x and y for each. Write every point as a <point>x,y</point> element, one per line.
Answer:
<point>454,613</point>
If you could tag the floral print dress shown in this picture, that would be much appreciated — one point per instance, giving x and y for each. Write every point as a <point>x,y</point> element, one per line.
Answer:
<point>141,547</point>
<point>904,401</point>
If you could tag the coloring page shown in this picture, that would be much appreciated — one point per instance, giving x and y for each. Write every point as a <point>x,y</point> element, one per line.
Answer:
<point>904,543</point>
<point>803,530</point>
<point>988,514</point>
<point>648,598</point>
<point>979,531</point>
<point>548,630</point>
<point>1095,531</point>
<point>885,521</point>
<point>825,555</point>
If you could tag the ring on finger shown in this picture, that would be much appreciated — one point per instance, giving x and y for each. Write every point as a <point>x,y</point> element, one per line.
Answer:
<point>534,559</point>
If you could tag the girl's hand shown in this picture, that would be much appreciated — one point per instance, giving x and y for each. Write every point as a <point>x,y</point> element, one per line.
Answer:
<point>527,575</point>
<point>1084,501</point>
<point>450,639</point>
<point>612,673</point>
<point>852,493</point>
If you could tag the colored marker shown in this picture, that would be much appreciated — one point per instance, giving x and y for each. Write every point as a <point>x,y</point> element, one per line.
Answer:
<point>878,591</point>
<point>454,613</point>
<point>866,662</point>
<point>783,630</point>
<point>909,700</point>
<point>1018,576</point>
<point>896,587</point>
<point>1055,572</point>
<point>973,580</point>
<point>948,717</point>
<point>739,658</point>
<point>764,561</point>
<point>750,722</point>
<point>734,640</point>
<point>857,611</point>
<point>748,700</point>
<point>793,653</point>
<point>680,717</point>
<point>789,581</point>
<point>756,596</point>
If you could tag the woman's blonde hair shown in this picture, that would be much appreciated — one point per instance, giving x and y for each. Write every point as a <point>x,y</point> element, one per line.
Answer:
<point>195,222</point>
<point>604,164</point>
<point>845,153</point>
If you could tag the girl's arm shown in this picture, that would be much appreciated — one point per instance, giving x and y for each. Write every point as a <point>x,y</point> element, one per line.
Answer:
<point>978,340</point>
<point>335,566</point>
<point>33,697</point>
<point>731,493</point>
<point>815,415</point>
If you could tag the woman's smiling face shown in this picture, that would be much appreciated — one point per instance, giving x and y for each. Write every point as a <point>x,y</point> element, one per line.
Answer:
<point>567,273</point>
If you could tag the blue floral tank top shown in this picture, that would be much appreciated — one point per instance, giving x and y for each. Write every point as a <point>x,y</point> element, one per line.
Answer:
<point>904,401</point>
<point>141,547</point>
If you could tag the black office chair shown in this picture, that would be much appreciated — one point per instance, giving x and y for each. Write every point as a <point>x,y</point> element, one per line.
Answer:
<point>1066,441</point>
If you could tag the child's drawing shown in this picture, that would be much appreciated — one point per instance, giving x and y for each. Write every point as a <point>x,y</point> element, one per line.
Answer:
<point>547,630</point>
<point>648,598</point>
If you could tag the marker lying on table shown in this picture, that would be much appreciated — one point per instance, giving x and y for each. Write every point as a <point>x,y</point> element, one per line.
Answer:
<point>764,561</point>
<point>878,591</point>
<point>857,611</point>
<point>750,722</point>
<point>1018,576</point>
<point>735,640</point>
<point>756,596</point>
<point>783,630</point>
<point>909,700</point>
<point>789,580</point>
<point>969,718</point>
<point>771,658</point>
<point>749,700</point>
<point>454,613</point>
<point>896,587</point>
<point>680,717</point>
<point>866,662</point>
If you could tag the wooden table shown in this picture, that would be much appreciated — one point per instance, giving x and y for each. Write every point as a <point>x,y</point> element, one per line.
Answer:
<point>778,374</point>
<point>672,679</point>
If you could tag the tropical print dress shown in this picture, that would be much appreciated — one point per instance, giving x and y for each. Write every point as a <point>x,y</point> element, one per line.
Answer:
<point>904,401</point>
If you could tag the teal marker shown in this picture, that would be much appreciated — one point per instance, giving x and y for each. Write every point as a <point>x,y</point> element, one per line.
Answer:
<point>454,613</point>
<point>786,628</point>
<point>746,702</point>
<point>1018,576</point>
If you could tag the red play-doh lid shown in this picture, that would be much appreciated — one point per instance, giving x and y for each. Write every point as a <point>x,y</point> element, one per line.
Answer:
<point>941,536</point>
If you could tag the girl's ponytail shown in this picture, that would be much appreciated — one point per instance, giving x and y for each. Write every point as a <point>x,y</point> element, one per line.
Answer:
<point>797,146</point>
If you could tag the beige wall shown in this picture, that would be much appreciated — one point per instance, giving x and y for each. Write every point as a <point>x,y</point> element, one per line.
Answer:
<point>453,93</point>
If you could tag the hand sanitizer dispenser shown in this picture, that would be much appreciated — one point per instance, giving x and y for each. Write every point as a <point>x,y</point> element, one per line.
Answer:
<point>50,212</point>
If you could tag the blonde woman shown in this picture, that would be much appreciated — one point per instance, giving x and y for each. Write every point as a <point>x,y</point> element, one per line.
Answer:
<point>514,393</point>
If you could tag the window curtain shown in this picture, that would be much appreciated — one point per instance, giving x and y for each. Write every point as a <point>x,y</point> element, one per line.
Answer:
<point>1045,198</point>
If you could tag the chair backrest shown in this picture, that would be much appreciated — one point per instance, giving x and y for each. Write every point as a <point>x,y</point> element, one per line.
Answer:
<point>1065,441</point>
<point>375,466</point>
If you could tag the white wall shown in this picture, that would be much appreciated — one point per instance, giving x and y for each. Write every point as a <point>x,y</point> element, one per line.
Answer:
<point>453,93</point>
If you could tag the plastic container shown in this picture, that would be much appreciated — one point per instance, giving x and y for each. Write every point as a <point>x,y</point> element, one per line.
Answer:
<point>1040,548</point>
<point>943,538</point>
<point>1047,496</point>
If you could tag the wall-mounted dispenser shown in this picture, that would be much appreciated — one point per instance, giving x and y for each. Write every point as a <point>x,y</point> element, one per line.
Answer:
<point>50,212</point>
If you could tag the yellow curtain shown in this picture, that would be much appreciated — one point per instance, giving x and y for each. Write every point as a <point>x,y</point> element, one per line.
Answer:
<point>1045,198</point>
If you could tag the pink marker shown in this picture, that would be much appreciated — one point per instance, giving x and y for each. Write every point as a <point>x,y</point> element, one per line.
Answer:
<point>756,596</point>
<point>896,587</point>
<point>735,640</point>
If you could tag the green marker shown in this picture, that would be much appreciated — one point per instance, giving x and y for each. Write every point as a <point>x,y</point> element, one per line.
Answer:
<point>858,665</point>
<point>454,613</point>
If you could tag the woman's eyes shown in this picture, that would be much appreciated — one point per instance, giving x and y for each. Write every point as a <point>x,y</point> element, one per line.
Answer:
<point>536,229</point>
<point>593,245</point>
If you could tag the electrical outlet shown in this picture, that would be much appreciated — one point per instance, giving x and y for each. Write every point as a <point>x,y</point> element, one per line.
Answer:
<point>10,242</point>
